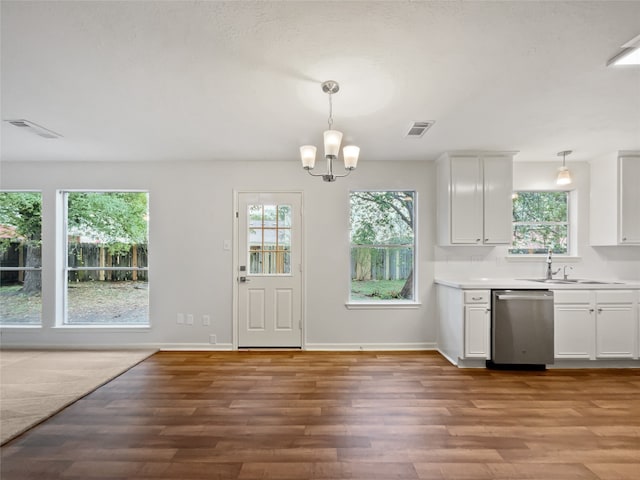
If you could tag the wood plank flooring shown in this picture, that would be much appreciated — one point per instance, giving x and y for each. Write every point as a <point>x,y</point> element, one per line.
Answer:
<point>365,415</point>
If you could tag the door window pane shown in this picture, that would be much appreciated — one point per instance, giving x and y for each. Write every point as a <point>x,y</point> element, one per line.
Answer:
<point>107,258</point>
<point>269,239</point>
<point>20,258</point>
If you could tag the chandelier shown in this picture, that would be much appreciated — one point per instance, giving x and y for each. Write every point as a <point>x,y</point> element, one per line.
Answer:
<point>332,140</point>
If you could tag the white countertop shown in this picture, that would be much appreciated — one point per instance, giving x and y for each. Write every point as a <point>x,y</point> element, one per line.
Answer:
<point>495,283</point>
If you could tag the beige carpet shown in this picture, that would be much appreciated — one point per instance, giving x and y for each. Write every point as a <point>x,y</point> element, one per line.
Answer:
<point>35,384</point>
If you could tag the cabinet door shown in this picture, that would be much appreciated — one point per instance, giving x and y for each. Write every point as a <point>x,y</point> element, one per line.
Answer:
<point>466,200</point>
<point>476,331</point>
<point>574,331</point>
<point>498,203</point>
<point>615,331</point>
<point>629,220</point>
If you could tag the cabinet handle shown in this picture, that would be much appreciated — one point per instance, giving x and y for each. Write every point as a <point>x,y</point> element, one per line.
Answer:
<point>476,298</point>
<point>599,310</point>
<point>591,310</point>
<point>624,239</point>
<point>486,239</point>
<point>477,240</point>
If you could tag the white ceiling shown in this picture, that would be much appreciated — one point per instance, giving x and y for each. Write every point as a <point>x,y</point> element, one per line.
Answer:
<point>209,80</point>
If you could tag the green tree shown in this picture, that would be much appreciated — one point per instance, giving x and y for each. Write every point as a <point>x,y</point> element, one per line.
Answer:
<point>117,220</point>
<point>22,212</point>
<point>382,217</point>
<point>540,222</point>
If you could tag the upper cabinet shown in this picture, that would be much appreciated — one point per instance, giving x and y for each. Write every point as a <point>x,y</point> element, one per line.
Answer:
<point>474,198</point>
<point>615,200</point>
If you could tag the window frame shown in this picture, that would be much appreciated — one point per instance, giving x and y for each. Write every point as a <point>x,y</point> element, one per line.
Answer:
<point>569,223</point>
<point>40,269</point>
<point>62,320</point>
<point>386,303</point>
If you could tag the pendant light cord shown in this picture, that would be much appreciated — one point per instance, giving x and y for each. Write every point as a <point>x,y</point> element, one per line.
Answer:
<point>330,120</point>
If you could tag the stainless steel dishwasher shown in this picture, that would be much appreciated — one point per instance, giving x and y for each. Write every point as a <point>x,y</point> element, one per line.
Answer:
<point>521,328</point>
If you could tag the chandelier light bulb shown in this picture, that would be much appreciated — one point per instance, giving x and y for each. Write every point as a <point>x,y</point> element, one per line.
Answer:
<point>308,156</point>
<point>350,154</point>
<point>332,141</point>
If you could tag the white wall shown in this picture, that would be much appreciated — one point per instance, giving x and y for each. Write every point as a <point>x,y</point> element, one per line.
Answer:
<point>191,205</point>
<point>621,262</point>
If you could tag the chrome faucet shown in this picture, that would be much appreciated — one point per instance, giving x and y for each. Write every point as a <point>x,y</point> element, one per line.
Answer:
<point>550,272</point>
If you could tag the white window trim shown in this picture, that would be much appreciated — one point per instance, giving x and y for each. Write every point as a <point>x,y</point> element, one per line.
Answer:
<point>16,326</point>
<point>570,256</point>
<point>63,265</point>
<point>383,305</point>
<point>387,304</point>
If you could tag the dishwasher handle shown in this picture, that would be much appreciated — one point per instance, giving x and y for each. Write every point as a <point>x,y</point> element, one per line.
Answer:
<point>512,296</point>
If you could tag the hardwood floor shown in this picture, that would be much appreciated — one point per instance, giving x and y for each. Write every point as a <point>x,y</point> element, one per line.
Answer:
<point>308,415</point>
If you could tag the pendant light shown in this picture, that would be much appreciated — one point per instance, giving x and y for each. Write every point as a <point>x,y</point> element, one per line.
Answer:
<point>564,176</point>
<point>332,140</point>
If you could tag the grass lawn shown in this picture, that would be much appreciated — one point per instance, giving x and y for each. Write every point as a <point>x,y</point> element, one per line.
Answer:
<point>376,289</point>
<point>89,303</point>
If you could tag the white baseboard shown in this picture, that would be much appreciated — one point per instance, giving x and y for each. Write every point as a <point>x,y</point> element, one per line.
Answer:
<point>200,347</point>
<point>600,363</point>
<point>349,347</point>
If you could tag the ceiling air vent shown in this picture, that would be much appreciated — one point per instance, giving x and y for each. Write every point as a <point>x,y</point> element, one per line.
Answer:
<point>34,128</point>
<point>417,129</point>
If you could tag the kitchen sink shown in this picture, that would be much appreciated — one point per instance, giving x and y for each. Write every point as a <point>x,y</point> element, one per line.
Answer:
<point>569,281</point>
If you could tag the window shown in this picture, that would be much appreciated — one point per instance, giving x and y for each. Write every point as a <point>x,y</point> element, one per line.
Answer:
<point>20,258</point>
<point>540,223</point>
<point>106,258</point>
<point>269,239</point>
<point>382,245</point>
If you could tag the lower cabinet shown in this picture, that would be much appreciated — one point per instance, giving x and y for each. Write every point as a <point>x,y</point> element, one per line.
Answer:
<point>464,325</point>
<point>615,331</point>
<point>477,325</point>
<point>593,324</point>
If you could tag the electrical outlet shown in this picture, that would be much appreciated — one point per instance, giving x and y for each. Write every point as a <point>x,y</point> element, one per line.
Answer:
<point>180,319</point>
<point>212,339</point>
<point>206,320</point>
<point>189,318</point>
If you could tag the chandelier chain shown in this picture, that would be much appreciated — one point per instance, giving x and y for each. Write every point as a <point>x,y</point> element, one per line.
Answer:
<point>330,120</point>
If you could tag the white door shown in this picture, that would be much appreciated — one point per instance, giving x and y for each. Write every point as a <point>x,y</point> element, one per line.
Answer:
<point>269,269</point>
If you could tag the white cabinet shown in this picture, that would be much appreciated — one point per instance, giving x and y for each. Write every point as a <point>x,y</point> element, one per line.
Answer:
<point>615,200</point>
<point>464,321</point>
<point>477,323</point>
<point>616,324</point>
<point>574,324</point>
<point>474,198</point>
<point>593,324</point>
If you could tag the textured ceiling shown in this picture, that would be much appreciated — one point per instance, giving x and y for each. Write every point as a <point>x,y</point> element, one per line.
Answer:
<point>185,80</point>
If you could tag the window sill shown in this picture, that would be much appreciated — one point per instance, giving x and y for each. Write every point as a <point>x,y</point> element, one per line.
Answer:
<point>17,327</point>
<point>109,328</point>
<point>382,305</point>
<point>542,257</point>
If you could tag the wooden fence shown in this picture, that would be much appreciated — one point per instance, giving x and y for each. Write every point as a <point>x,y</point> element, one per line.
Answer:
<point>381,263</point>
<point>82,255</point>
